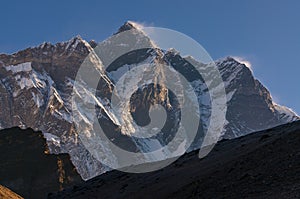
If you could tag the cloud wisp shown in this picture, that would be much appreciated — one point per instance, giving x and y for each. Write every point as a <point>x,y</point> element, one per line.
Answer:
<point>242,60</point>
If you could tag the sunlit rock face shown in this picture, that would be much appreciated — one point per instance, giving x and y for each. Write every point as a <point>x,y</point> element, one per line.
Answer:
<point>37,84</point>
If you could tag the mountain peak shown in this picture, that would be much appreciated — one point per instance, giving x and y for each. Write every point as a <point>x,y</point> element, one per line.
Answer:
<point>76,39</point>
<point>228,59</point>
<point>232,62</point>
<point>75,44</point>
<point>236,60</point>
<point>129,25</point>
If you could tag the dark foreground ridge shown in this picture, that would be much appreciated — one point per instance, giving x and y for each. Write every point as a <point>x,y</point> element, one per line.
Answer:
<point>260,165</point>
<point>26,167</point>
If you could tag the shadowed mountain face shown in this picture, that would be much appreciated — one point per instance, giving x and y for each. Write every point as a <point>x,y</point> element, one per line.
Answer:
<point>28,169</point>
<point>36,85</point>
<point>261,165</point>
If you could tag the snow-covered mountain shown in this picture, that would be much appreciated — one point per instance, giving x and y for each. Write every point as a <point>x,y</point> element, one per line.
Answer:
<point>36,89</point>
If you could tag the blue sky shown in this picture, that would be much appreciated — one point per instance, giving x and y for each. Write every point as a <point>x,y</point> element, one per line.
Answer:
<point>264,32</point>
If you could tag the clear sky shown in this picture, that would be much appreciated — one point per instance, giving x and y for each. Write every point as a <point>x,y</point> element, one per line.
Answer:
<point>264,32</point>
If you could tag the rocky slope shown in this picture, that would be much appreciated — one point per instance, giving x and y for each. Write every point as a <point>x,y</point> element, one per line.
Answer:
<point>28,169</point>
<point>36,86</point>
<point>260,165</point>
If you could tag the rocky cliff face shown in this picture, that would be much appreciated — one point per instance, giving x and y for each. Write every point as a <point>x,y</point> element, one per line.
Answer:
<point>36,86</point>
<point>250,105</point>
<point>28,169</point>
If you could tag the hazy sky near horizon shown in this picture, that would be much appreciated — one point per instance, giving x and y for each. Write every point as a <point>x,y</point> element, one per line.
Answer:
<point>265,33</point>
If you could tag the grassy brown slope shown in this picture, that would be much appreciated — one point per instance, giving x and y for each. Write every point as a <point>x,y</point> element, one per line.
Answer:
<point>5,193</point>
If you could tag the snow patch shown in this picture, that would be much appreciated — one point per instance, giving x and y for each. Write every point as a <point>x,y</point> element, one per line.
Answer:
<point>52,138</point>
<point>38,101</point>
<point>286,112</point>
<point>37,80</point>
<point>23,67</point>
<point>24,82</point>
<point>230,94</point>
